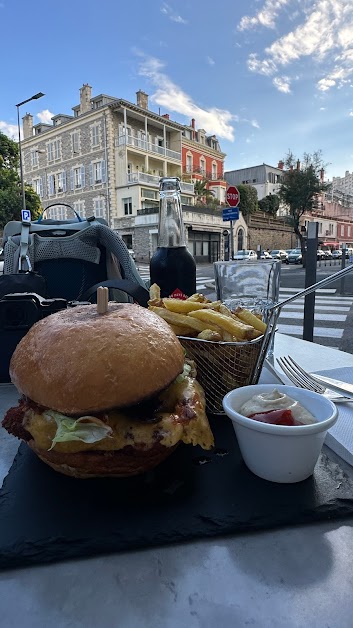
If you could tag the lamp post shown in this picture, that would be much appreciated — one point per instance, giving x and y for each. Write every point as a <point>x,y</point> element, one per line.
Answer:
<point>35,97</point>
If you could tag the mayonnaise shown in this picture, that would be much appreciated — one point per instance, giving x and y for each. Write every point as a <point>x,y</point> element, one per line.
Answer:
<point>274,400</point>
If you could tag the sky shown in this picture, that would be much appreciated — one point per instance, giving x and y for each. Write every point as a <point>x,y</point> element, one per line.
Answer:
<point>266,76</point>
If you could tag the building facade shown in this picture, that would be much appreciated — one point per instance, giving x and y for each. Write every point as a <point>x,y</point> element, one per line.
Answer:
<point>264,178</point>
<point>106,160</point>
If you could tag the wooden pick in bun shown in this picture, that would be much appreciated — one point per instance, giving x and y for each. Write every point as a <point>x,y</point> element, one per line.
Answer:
<point>105,394</point>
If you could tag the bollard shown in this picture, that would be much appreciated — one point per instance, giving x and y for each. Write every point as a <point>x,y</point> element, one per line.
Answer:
<point>343,264</point>
<point>310,279</point>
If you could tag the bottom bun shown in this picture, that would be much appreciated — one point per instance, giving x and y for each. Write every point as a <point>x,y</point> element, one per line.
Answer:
<point>94,464</point>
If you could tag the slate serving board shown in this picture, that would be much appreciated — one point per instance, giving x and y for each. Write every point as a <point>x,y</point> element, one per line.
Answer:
<point>47,517</point>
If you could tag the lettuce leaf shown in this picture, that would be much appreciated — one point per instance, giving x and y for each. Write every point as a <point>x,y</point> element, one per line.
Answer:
<point>87,429</point>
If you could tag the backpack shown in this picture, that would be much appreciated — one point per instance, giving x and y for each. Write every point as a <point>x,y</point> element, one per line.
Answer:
<point>74,257</point>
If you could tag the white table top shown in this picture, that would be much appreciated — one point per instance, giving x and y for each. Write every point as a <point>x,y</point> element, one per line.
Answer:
<point>290,577</point>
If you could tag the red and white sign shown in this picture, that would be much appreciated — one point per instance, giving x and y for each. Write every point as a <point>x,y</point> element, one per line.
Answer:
<point>232,196</point>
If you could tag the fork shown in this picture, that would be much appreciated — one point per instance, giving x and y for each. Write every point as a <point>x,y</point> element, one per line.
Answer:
<point>303,379</point>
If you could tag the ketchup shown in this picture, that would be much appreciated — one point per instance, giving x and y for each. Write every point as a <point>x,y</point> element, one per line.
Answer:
<point>276,417</point>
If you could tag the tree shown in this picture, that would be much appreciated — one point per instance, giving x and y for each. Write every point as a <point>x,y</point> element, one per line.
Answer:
<point>248,199</point>
<point>203,194</point>
<point>270,204</point>
<point>302,182</point>
<point>10,185</point>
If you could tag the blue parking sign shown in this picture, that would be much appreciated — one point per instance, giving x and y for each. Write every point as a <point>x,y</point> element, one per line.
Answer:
<point>26,215</point>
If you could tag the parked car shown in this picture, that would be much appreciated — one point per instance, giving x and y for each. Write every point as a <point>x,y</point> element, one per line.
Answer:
<point>265,255</point>
<point>132,254</point>
<point>245,254</point>
<point>320,254</point>
<point>337,254</point>
<point>328,253</point>
<point>279,254</point>
<point>295,256</point>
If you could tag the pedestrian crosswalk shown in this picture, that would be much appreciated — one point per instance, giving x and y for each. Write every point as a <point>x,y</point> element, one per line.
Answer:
<point>331,311</point>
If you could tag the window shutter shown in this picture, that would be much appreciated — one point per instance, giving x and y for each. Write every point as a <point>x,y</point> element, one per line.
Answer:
<point>51,184</point>
<point>82,176</point>
<point>72,182</point>
<point>64,180</point>
<point>41,187</point>
<point>91,174</point>
<point>104,171</point>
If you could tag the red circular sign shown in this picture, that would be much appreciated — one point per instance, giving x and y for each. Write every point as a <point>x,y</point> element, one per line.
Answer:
<point>232,196</point>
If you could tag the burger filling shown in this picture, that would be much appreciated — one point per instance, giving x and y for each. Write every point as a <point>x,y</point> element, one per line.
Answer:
<point>176,414</point>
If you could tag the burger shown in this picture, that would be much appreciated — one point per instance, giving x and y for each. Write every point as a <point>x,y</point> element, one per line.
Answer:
<point>105,394</point>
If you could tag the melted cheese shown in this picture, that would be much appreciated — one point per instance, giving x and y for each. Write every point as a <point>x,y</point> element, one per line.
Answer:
<point>172,425</point>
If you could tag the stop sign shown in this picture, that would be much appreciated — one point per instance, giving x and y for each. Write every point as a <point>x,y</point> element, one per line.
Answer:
<point>232,196</point>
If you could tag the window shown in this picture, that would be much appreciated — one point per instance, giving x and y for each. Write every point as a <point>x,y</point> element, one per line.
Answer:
<point>127,238</point>
<point>349,232</point>
<point>214,171</point>
<point>145,193</point>
<point>38,186</point>
<point>98,172</point>
<point>342,230</point>
<point>99,207</point>
<point>60,212</point>
<point>79,207</point>
<point>34,158</point>
<point>188,163</point>
<point>95,135</point>
<point>127,204</point>
<point>54,152</point>
<point>61,182</point>
<point>202,166</point>
<point>75,142</point>
<point>51,184</point>
<point>77,178</point>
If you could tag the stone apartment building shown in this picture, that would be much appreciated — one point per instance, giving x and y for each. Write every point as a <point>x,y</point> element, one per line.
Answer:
<point>264,178</point>
<point>106,160</point>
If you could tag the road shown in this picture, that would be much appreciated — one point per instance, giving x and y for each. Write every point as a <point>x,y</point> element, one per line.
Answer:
<point>333,325</point>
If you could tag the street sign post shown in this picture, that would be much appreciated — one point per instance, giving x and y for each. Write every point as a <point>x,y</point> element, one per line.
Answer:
<point>232,212</point>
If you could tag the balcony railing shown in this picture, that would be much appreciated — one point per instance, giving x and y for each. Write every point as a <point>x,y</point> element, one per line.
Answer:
<point>151,179</point>
<point>211,176</point>
<point>147,147</point>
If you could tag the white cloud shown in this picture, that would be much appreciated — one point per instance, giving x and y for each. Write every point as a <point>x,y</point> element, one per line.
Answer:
<point>45,116</point>
<point>351,113</point>
<point>255,124</point>
<point>282,83</point>
<point>322,108</point>
<point>265,17</point>
<point>210,61</point>
<point>174,17</point>
<point>173,98</point>
<point>325,35</point>
<point>11,130</point>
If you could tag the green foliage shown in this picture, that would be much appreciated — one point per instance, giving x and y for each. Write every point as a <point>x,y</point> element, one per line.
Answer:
<point>302,182</point>
<point>204,196</point>
<point>270,204</point>
<point>248,199</point>
<point>10,185</point>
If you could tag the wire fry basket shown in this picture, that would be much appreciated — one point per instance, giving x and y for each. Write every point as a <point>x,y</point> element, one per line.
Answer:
<point>223,366</point>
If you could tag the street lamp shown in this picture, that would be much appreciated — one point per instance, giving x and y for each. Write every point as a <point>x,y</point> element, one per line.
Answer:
<point>35,97</point>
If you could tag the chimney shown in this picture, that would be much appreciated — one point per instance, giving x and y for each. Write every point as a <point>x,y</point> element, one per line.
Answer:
<point>142,99</point>
<point>280,164</point>
<point>166,115</point>
<point>193,128</point>
<point>27,125</point>
<point>85,98</point>
<point>322,175</point>
<point>298,164</point>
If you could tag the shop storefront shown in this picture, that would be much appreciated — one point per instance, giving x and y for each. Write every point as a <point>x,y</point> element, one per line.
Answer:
<point>205,246</point>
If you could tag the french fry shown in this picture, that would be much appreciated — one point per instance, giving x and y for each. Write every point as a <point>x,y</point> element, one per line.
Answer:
<point>184,307</point>
<point>234,327</point>
<point>183,331</point>
<point>182,320</point>
<point>250,319</point>
<point>227,337</point>
<point>198,298</point>
<point>155,291</point>
<point>208,334</point>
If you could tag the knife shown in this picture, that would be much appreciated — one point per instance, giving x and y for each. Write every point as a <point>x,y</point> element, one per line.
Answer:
<point>334,383</point>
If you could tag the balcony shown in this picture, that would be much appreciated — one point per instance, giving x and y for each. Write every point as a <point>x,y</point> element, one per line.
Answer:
<point>210,176</point>
<point>151,179</point>
<point>147,147</point>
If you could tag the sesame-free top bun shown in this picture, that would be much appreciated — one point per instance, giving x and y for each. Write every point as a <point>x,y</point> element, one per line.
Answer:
<point>78,361</point>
